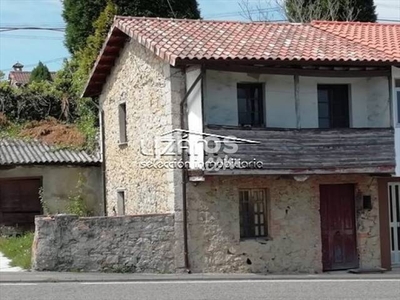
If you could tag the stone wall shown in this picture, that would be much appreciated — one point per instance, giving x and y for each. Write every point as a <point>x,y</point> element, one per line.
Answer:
<point>114,244</point>
<point>294,243</point>
<point>152,91</point>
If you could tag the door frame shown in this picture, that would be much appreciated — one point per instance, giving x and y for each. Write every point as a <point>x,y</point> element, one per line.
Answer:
<point>354,185</point>
<point>384,228</point>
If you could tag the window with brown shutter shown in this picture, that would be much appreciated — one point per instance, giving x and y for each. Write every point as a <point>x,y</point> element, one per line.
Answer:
<point>253,213</point>
<point>122,123</point>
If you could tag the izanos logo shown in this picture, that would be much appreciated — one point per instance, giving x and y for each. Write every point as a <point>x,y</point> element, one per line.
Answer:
<point>204,151</point>
<point>175,142</point>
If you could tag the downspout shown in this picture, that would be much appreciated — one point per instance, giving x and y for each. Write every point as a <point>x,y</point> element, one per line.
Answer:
<point>103,163</point>
<point>185,176</point>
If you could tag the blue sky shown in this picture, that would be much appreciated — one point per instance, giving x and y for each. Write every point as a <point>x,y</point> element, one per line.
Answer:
<point>29,47</point>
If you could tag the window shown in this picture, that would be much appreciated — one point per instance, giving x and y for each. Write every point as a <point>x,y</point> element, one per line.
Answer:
<point>253,213</point>
<point>250,104</point>
<point>333,106</point>
<point>122,123</point>
<point>121,203</point>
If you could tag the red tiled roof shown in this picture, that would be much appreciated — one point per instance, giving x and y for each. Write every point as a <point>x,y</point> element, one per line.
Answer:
<point>22,77</point>
<point>175,40</point>
<point>197,39</point>
<point>383,37</point>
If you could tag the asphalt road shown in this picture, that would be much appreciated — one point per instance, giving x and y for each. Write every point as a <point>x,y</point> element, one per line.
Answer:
<point>213,290</point>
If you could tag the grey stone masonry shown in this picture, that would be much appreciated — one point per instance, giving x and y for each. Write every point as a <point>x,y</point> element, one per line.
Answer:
<point>143,243</point>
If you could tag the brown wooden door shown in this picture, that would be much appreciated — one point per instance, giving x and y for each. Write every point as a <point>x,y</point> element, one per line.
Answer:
<point>338,227</point>
<point>19,202</point>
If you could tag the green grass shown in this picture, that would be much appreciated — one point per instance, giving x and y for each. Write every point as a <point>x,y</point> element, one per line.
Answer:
<point>18,250</point>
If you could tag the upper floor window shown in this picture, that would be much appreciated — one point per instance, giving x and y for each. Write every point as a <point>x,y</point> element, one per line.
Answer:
<point>250,104</point>
<point>122,123</point>
<point>333,106</point>
<point>253,213</point>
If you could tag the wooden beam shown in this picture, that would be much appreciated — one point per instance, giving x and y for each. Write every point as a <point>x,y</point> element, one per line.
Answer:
<point>112,50</point>
<point>275,62</point>
<point>117,40</point>
<point>297,100</point>
<point>98,75</point>
<point>298,71</point>
<point>104,66</point>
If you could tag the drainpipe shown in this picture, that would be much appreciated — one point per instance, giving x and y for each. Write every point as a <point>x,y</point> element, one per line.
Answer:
<point>185,175</point>
<point>103,162</point>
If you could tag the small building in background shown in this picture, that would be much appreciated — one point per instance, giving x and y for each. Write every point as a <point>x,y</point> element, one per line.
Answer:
<point>18,77</point>
<point>37,179</point>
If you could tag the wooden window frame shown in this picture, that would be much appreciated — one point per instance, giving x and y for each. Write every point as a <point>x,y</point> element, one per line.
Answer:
<point>260,100</point>
<point>123,138</point>
<point>253,222</point>
<point>332,88</point>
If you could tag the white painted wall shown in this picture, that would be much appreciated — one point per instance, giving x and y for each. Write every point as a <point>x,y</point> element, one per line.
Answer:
<point>220,98</point>
<point>195,117</point>
<point>396,75</point>
<point>369,99</point>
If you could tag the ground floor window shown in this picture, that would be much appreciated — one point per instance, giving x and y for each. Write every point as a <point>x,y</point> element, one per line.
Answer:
<point>253,213</point>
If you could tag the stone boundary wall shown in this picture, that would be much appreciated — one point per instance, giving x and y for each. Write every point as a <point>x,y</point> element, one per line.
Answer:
<point>143,243</point>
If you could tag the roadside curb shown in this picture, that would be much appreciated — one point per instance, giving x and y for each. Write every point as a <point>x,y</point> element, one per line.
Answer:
<point>36,277</point>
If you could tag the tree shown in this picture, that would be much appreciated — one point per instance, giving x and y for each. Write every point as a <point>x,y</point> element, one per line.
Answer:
<point>366,10</point>
<point>332,10</point>
<point>86,57</point>
<point>40,73</point>
<point>80,15</point>
<point>304,11</point>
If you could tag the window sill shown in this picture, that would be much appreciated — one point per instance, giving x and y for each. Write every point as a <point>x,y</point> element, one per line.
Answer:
<point>122,144</point>
<point>256,239</point>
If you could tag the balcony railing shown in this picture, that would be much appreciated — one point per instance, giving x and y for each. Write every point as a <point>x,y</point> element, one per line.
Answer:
<point>311,151</point>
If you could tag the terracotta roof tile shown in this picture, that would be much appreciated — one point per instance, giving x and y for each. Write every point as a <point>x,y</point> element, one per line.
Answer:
<point>22,77</point>
<point>175,40</point>
<point>199,39</point>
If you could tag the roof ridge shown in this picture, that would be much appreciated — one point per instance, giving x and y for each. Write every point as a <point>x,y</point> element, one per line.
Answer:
<point>206,21</point>
<point>353,23</point>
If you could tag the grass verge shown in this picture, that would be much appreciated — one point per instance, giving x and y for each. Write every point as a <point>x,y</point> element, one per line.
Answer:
<point>18,250</point>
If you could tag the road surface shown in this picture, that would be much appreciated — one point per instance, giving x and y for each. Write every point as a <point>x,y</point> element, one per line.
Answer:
<point>362,289</point>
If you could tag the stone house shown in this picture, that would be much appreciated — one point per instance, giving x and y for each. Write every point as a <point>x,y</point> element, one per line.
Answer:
<point>312,110</point>
<point>19,78</point>
<point>36,178</point>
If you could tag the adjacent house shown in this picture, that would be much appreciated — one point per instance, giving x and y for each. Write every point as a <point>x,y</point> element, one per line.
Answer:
<point>36,178</point>
<point>18,77</point>
<point>311,109</point>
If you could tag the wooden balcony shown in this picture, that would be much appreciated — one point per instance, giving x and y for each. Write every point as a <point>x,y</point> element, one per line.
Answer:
<point>312,151</point>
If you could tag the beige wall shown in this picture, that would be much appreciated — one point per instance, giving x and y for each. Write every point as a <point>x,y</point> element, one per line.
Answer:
<point>295,245</point>
<point>152,91</point>
<point>59,182</point>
